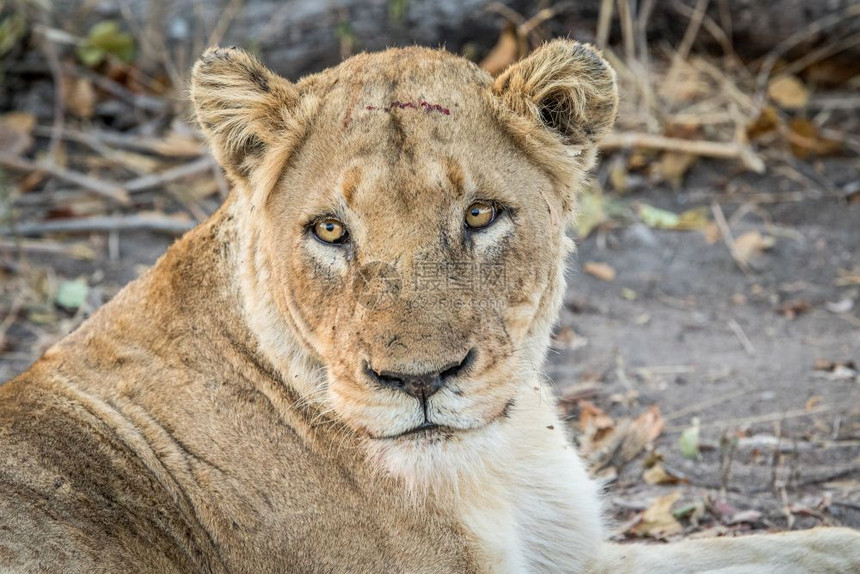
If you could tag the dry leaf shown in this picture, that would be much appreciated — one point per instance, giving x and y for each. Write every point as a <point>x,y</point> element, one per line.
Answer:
<point>625,441</point>
<point>827,365</point>
<point>602,271</point>
<point>806,141</point>
<point>657,474</point>
<point>788,92</point>
<point>80,97</point>
<point>657,521</point>
<point>507,50</point>
<point>794,307</point>
<point>767,121</point>
<point>650,424</point>
<point>593,421</point>
<point>673,165</point>
<point>16,132</point>
<point>751,244</point>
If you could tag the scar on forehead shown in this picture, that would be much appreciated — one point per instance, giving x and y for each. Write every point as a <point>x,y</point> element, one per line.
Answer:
<point>421,105</point>
<point>349,183</point>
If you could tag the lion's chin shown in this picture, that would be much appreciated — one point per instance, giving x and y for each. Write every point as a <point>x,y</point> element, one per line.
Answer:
<point>437,458</point>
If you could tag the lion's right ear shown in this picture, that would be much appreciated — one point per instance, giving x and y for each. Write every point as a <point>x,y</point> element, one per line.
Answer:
<point>242,106</point>
<point>565,86</point>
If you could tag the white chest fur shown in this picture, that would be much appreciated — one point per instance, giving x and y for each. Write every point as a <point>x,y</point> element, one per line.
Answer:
<point>535,509</point>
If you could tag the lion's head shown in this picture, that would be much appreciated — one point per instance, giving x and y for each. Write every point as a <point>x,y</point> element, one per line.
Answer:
<point>403,227</point>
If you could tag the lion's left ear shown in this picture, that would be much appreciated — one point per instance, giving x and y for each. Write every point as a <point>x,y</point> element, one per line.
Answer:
<point>243,107</point>
<point>567,87</point>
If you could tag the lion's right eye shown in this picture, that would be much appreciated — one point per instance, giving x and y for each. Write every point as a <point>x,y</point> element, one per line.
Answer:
<point>330,230</point>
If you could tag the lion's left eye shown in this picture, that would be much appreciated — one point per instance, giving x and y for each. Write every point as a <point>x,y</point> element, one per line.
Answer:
<point>330,230</point>
<point>480,214</point>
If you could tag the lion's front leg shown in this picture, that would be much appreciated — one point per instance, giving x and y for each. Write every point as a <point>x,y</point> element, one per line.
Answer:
<point>819,551</point>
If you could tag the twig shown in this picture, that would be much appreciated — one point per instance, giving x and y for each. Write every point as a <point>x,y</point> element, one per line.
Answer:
<point>645,11</point>
<point>625,16</point>
<point>720,150</point>
<point>75,251</point>
<point>720,35</point>
<point>797,38</point>
<point>764,418</point>
<point>224,22</point>
<point>699,407</point>
<point>105,189</point>
<point>59,98</point>
<point>835,101</point>
<point>742,337</point>
<point>137,222</point>
<point>687,41</point>
<point>155,180</point>
<point>603,22</point>
<point>140,101</point>
<point>726,232</point>
<point>819,54</point>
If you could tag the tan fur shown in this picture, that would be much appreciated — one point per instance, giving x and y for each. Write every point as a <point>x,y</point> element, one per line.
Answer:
<point>218,415</point>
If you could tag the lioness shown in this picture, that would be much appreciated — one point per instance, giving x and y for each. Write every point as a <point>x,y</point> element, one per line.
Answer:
<point>340,370</point>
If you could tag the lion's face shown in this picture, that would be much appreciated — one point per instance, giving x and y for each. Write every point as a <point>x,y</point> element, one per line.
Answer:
<point>407,217</point>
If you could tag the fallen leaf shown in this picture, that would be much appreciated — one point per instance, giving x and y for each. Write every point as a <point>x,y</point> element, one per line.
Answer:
<point>656,217</point>
<point>657,521</point>
<point>593,421</point>
<point>602,271</point>
<point>689,441</point>
<point>650,424</point>
<point>794,307</point>
<point>72,294</point>
<point>788,92</point>
<point>618,176</point>
<point>508,49</point>
<point>692,219</point>
<point>106,38</point>
<point>692,511</point>
<point>80,97</point>
<point>617,445</point>
<point>827,365</point>
<point>629,294</point>
<point>751,244</point>
<point>16,132</point>
<point>805,140</point>
<point>673,165</point>
<point>766,122</point>
<point>657,474</point>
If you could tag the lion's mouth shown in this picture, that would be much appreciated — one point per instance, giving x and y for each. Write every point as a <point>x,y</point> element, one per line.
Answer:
<point>429,429</point>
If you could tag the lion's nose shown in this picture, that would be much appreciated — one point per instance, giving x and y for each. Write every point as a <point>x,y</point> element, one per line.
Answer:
<point>421,385</point>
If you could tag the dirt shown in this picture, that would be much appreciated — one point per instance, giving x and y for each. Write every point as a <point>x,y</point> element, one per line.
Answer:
<point>673,346</point>
<point>661,333</point>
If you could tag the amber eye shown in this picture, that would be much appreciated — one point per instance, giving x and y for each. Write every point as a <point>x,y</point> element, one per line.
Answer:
<point>480,214</point>
<point>330,230</point>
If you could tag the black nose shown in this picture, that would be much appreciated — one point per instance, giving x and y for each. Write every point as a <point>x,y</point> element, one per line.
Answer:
<point>423,385</point>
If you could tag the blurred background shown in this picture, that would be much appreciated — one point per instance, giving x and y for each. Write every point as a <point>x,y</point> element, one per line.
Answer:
<point>707,353</point>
